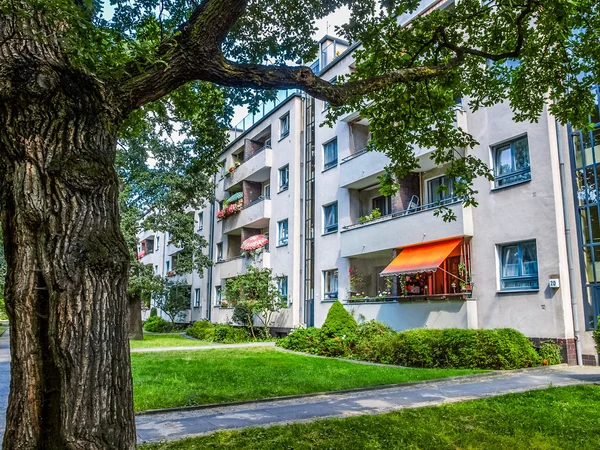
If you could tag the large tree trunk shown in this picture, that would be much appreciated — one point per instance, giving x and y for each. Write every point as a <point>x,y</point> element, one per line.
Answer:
<point>136,330</point>
<point>66,287</point>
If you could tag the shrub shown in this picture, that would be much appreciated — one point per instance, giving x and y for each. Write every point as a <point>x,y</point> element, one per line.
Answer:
<point>157,324</point>
<point>228,334</point>
<point>339,322</point>
<point>306,340</point>
<point>550,353</point>
<point>153,312</point>
<point>203,330</point>
<point>425,348</point>
<point>596,335</point>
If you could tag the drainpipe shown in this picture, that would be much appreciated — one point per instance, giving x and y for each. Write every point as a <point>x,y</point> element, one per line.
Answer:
<point>574,306</point>
<point>211,232</point>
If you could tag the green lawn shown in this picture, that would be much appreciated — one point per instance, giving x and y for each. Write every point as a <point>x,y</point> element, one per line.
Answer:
<point>556,418</point>
<point>166,340</point>
<point>167,379</point>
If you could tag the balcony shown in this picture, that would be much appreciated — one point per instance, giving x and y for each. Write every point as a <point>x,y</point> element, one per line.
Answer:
<point>239,265</point>
<point>253,215</point>
<point>255,168</point>
<point>361,169</point>
<point>405,228</point>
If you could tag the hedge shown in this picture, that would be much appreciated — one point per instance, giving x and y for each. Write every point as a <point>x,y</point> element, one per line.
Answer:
<point>502,348</point>
<point>156,324</point>
<point>203,330</point>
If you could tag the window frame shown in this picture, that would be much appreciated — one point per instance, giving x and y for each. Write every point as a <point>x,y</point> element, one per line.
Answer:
<point>326,104</point>
<point>219,251</point>
<point>495,152</point>
<point>432,192</point>
<point>329,295</point>
<point>283,132</point>
<point>388,204</point>
<point>280,240</point>
<point>283,187</point>
<point>334,227</point>
<point>282,281</point>
<point>197,298</point>
<point>218,295</point>
<point>200,221</point>
<point>332,163</point>
<point>535,279</point>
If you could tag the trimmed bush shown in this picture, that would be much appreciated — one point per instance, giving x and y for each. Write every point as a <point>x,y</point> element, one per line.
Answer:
<point>203,330</point>
<point>339,322</point>
<point>502,348</point>
<point>596,335</point>
<point>157,324</point>
<point>228,334</point>
<point>550,353</point>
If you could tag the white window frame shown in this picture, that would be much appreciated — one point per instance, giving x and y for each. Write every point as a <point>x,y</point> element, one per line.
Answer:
<point>218,295</point>
<point>337,221</point>
<point>286,170</point>
<point>285,119</point>
<point>197,298</point>
<point>327,295</point>
<point>201,221</point>
<point>281,241</point>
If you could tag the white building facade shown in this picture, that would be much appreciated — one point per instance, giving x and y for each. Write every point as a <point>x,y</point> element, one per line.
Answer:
<point>313,191</point>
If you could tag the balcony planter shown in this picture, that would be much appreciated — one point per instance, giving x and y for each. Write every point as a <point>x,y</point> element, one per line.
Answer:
<point>141,254</point>
<point>171,273</point>
<point>230,210</point>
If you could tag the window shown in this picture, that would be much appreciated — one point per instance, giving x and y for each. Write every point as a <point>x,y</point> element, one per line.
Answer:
<point>282,287</point>
<point>200,221</point>
<point>511,162</point>
<point>168,263</point>
<point>157,242</point>
<point>267,191</point>
<point>330,157</point>
<point>330,218</point>
<point>436,192</point>
<point>219,251</point>
<point>223,168</point>
<point>156,269</point>
<point>282,232</point>
<point>284,178</point>
<point>330,284</point>
<point>326,103</point>
<point>197,299</point>
<point>383,204</point>
<point>518,266</point>
<point>218,296</point>
<point>284,126</point>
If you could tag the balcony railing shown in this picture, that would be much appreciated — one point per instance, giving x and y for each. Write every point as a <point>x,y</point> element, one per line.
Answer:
<point>256,152</point>
<point>405,212</point>
<point>408,298</point>
<point>354,155</point>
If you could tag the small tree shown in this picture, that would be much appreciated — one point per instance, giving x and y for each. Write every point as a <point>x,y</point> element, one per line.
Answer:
<point>339,322</point>
<point>255,294</point>
<point>173,300</point>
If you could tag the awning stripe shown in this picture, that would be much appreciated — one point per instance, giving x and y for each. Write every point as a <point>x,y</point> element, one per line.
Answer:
<point>421,258</point>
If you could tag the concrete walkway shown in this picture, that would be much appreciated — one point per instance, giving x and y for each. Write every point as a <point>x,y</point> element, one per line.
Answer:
<point>202,347</point>
<point>178,425</point>
<point>4,380</point>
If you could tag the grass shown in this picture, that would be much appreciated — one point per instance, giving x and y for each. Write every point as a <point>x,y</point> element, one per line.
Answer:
<point>556,418</point>
<point>3,329</point>
<point>168,379</point>
<point>166,340</point>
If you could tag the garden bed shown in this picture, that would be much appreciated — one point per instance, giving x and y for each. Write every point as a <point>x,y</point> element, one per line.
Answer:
<point>165,340</point>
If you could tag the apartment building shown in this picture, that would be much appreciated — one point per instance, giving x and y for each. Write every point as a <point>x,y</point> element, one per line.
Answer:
<point>312,191</point>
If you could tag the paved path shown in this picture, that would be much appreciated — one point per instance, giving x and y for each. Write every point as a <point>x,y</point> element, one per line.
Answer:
<point>4,380</point>
<point>177,425</point>
<point>202,347</point>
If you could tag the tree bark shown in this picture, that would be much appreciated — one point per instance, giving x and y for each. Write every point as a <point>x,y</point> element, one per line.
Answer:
<point>66,286</point>
<point>136,330</point>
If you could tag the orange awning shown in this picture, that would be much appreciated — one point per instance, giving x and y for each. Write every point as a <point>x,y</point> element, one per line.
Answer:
<point>421,258</point>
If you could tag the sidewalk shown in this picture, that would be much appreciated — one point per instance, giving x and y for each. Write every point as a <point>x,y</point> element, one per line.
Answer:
<point>202,347</point>
<point>178,425</point>
<point>4,380</point>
